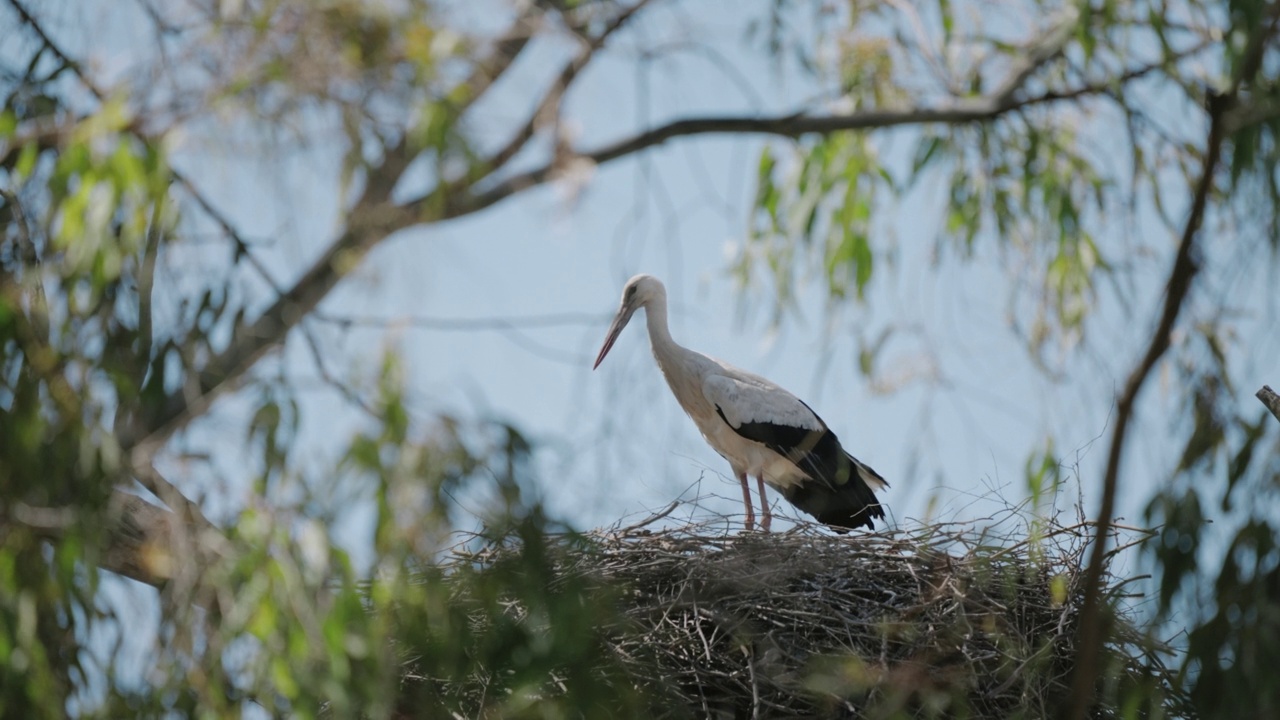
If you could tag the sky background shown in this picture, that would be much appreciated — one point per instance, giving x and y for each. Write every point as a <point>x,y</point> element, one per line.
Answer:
<point>950,418</point>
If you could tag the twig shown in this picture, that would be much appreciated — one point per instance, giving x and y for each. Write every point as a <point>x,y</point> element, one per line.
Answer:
<point>651,519</point>
<point>1270,399</point>
<point>465,324</point>
<point>351,394</point>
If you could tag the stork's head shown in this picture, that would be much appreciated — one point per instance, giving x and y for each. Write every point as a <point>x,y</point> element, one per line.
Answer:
<point>640,291</point>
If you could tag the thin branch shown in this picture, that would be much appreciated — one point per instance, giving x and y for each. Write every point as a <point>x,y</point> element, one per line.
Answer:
<point>243,248</point>
<point>466,324</point>
<point>1270,399</point>
<point>1042,51</point>
<point>30,21</point>
<point>351,394</point>
<point>1185,267</point>
<point>651,519</point>
<point>511,329</point>
<point>504,54</point>
<point>550,103</point>
<point>794,125</point>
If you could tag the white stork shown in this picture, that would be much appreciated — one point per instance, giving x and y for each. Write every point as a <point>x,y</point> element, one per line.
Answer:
<point>761,429</point>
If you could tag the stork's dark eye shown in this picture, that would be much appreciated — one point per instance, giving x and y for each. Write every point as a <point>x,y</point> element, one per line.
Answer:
<point>631,292</point>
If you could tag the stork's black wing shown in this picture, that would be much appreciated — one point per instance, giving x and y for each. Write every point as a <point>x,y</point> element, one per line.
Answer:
<point>837,492</point>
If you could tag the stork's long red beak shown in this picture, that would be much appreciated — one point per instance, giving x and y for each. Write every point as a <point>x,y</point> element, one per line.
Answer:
<point>619,322</point>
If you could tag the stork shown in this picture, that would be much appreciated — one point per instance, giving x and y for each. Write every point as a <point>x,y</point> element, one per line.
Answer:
<point>761,429</point>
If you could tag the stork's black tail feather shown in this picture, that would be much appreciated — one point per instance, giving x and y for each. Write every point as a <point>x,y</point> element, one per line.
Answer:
<point>846,500</point>
<point>839,489</point>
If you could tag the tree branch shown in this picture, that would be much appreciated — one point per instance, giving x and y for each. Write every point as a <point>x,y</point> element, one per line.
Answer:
<point>1040,52</point>
<point>1270,399</point>
<point>139,540</point>
<point>467,324</point>
<point>792,125</point>
<point>1185,267</point>
<point>550,102</point>
<point>372,220</point>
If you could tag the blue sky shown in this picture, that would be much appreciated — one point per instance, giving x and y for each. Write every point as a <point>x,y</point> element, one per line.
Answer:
<point>614,443</point>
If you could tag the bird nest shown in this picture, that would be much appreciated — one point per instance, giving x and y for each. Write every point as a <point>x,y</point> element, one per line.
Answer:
<point>938,621</point>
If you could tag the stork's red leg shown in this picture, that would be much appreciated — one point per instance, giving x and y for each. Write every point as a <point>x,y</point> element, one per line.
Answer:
<point>767,517</point>
<point>746,501</point>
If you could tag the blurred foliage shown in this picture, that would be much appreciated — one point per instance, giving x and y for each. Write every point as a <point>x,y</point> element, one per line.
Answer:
<point>1221,581</point>
<point>73,225</point>
<point>264,609</point>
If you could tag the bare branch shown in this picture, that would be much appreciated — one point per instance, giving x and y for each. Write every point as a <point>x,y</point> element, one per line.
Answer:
<point>1270,399</point>
<point>794,125</point>
<point>1040,52</point>
<point>351,394</point>
<point>30,21</point>
<point>510,329</point>
<point>1185,267</point>
<point>504,54</point>
<point>467,324</point>
<point>550,103</point>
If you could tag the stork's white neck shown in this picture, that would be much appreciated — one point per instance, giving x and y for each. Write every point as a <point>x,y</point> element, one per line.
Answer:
<point>681,367</point>
<point>655,314</point>
<point>666,351</point>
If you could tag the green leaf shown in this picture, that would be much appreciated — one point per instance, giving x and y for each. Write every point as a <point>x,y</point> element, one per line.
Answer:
<point>26,163</point>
